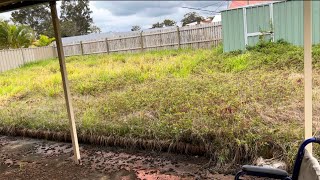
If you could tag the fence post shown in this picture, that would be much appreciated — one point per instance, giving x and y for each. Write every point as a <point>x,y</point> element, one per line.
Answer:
<point>215,38</point>
<point>161,44</point>
<point>179,38</point>
<point>107,46</point>
<point>81,47</point>
<point>141,41</point>
<point>198,37</point>
<point>245,26</point>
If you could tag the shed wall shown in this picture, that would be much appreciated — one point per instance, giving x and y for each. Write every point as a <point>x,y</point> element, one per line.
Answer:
<point>284,19</point>
<point>232,31</point>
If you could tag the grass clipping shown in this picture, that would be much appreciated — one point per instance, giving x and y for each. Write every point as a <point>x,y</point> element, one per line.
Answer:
<point>234,106</point>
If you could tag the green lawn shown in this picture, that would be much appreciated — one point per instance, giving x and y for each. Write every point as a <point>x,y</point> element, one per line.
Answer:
<point>242,105</point>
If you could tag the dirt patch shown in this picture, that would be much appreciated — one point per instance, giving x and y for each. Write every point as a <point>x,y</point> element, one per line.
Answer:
<point>38,159</point>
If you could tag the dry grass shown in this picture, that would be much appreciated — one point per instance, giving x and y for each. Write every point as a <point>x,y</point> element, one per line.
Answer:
<point>237,106</point>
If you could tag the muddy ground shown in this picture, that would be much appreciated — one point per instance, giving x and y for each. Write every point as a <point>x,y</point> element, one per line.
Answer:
<point>24,158</point>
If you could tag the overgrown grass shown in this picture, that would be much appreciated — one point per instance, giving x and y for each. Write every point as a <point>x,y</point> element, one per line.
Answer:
<point>243,105</point>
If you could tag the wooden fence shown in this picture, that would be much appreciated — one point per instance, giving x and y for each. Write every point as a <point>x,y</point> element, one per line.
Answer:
<point>13,58</point>
<point>199,36</point>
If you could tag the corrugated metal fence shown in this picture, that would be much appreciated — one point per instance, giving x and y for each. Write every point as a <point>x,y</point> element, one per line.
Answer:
<point>199,36</point>
<point>278,20</point>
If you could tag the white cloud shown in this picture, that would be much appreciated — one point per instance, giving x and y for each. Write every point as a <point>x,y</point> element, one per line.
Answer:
<point>119,16</point>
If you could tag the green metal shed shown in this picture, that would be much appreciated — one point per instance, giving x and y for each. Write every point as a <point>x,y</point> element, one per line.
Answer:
<point>243,26</point>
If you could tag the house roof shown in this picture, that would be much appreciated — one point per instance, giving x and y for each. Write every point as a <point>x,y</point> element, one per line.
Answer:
<point>216,18</point>
<point>9,5</point>
<point>241,3</point>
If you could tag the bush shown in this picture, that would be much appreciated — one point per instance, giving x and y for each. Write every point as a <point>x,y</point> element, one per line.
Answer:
<point>15,36</point>
<point>43,41</point>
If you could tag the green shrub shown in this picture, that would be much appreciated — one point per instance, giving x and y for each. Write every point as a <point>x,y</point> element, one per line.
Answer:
<point>43,41</point>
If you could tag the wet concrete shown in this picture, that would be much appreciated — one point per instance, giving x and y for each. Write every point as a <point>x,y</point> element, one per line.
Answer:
<point>39,159</point>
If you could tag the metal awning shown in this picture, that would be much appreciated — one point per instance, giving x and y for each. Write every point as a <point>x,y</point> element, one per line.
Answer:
<point>9,5</point>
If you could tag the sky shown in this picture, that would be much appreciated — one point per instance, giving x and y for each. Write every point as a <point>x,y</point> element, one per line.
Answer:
<point>120,16</point>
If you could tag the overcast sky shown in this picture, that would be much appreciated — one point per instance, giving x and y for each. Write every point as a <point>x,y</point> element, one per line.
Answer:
<point>120,16</point>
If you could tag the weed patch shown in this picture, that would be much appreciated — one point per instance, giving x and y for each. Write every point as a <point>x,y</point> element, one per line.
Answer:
<point>233,106</point>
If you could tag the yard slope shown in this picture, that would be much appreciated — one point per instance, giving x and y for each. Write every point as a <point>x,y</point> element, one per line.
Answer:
<point>233,107</point>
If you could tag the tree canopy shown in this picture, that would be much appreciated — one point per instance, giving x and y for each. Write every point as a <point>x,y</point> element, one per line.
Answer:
<point>94,29</point>
<point>37,17</point>
<point>191,17</point>
<point>135,28</point>
<point>79,13</point>
<point>164,23</point>
<point>157,25</point>
<point>169,22</point>
<point>75,19</point>
<point>15,36</point>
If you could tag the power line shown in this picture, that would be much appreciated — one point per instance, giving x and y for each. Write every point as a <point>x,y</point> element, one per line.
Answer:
<point>200,9</point>
<point>215,11</point>
<point>210,5</point>
<point>219,6</point>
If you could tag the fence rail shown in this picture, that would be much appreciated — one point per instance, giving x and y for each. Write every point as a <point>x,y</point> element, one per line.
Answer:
<point>200,36</point>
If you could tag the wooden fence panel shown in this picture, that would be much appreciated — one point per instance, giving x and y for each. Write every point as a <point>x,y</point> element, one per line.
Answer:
<point>164,38</point>
<point>94,47</point>
<point>42,53</point>
<point>14,58</point>
<point>10,59</point>
<point>2,62</point>
<point>28,55</point>
<point>71,49</point>
<point>204,36</point>
<point>198,36</point>
<point>130,42</point>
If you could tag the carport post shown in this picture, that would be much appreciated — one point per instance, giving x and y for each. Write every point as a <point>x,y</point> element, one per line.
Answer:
<point>307,39</point>
<point>65,83</point>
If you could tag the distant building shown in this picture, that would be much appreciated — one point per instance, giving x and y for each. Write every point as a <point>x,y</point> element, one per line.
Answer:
<point>216,18</point>
<point>241,3</point>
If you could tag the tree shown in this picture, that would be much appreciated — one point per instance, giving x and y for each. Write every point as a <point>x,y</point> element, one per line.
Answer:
<point>169,22</point>
<point>15,36</point>
<point>79,14</point>
<point>210,17</point>
<point>37,17</point>
<point>43,41</point>
<point>135,28</point>
<point>191,17</point>
<point>157,25</point>
<point>68,28</point>
<point>165,23</point>
<point>75,18</point>
<point>95,29</point>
